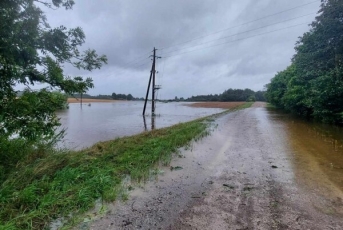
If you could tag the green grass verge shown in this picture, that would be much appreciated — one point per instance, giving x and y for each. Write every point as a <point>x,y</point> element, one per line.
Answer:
<point>243,106</point>
<point>61,183</point>
<point>270,106</point>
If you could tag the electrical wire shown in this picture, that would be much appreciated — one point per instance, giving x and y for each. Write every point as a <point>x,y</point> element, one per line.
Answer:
<point>137,60</point>
<point>144,56</point>
<point>237,40</point>
<point>262,27</point>
<point>255,20</point>
<point>136,66</point>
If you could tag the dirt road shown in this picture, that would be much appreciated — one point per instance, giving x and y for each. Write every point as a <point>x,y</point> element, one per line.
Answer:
<point>242,176</point>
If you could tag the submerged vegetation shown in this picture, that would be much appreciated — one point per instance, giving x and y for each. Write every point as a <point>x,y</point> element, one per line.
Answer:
<point>48,184</point>
<point>312,86</point>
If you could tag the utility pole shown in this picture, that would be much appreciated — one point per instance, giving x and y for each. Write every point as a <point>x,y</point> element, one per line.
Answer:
<point>154,87</point>
<point>147,92</point>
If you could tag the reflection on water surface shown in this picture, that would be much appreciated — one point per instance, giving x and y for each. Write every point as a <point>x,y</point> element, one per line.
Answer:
<point>105,121</point>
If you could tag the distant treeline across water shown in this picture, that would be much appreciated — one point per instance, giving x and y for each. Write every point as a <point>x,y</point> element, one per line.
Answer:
<point>227,95</point>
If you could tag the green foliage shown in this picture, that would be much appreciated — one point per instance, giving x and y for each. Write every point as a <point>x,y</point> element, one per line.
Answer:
<point>231,95</point>
<point>31,52</point>
<point>60,99</point>
<point>122,96</point>
<point>17,151</point>
<point>114,96</point>
<point>277,88</point>
<point>312,85</point>
<point>237,95</point>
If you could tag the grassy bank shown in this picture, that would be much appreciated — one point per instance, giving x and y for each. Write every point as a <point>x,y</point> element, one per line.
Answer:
<point>59,183</point>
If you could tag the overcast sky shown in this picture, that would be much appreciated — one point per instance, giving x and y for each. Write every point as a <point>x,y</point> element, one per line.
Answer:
<point>127,31</point>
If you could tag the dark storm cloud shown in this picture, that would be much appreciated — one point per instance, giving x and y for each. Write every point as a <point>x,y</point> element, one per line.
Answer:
<point>127,30</point>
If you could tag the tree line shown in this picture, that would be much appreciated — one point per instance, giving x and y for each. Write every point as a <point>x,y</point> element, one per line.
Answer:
<point>113,96</point>
<point>231,95</point>
<point>312,86</point>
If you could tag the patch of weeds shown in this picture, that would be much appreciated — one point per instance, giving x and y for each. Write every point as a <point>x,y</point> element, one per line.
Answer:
<point>156,172</point>
<point>270,106</point>
<point>181,156</point>
<point>248,188</point>
<point>175,168</point>
<point>187,147</point>
<point>229,186</point>
<point>130,188</point>
<point>274,204</point>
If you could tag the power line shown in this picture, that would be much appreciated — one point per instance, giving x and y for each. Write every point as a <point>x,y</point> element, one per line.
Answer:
<point>237,40</point>
<point>134,65</point>
<point>239,33</point>
<point>137,60</point>
<point>219,31</point>
<point>134,60</point>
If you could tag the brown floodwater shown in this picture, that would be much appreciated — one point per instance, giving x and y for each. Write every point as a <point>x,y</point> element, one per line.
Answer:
<point>94,122</point>
<point>317,154</point>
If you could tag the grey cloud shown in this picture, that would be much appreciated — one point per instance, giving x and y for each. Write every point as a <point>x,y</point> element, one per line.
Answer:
<point>126,30</point>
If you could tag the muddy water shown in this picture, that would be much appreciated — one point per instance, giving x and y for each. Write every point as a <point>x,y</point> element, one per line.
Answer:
<point>96,122</point>
<point>317,159</point>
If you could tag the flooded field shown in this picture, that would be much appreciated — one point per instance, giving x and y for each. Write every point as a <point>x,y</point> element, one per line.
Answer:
<point>105,121</point>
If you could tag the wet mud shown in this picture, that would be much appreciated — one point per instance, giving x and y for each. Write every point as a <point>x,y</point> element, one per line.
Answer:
<point>258,169</point>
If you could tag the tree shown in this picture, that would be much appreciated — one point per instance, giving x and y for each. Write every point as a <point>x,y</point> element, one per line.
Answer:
<point>313,86</point>
<point>129,97</point>
<point>319,64</point>
<point>32,52</point>
<point>260,96</point>
<point>277,88</point>
<point>114,96</point>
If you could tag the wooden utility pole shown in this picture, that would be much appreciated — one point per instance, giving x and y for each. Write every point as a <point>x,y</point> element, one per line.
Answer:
<point>154,87</point>
<point>153,84</point>
<point>147,92</point>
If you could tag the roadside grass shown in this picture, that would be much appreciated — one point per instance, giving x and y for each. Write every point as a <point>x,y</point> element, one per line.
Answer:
<point>244,106</point>
<point>240,107</point>
<point>63,183</point>
<point>270,106</point>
